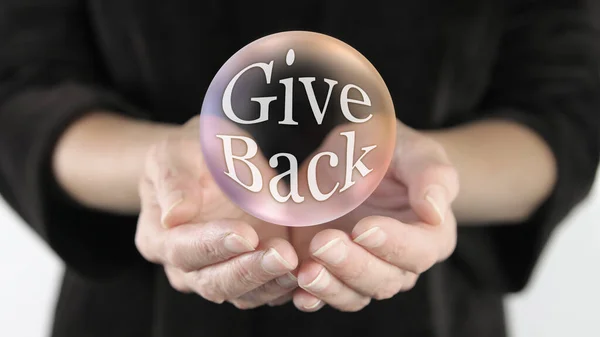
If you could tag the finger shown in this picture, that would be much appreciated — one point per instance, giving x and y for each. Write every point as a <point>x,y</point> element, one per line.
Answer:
<point>240,275</point>
<point>307,302</point>
<point>431,193</point>
<point>414,247</point>
<point>354,266</point>
<point>195,246</point>
<point>177,279</point>
<point>281,300</point>
<point>267,293</point>
<point>148,238</point>
<point>318,281</point>
<point>177,189</point>
<point>409,281</point>
<point>432,181</point>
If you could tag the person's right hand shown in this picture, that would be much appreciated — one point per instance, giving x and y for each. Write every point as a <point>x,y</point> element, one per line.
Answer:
<point>206,244</point>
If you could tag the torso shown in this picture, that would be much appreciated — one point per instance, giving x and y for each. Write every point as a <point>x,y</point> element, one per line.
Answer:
<point>163,55</point>
<point>436,57</point>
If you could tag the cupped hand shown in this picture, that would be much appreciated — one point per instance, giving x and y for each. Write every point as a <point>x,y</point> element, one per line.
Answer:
<point>206,244</point>
<point>380,249</point>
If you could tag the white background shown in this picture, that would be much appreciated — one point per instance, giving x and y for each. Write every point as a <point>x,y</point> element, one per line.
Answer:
<point>561,301</point>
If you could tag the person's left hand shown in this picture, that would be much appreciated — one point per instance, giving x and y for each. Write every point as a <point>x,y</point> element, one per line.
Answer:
<point>380,249</point>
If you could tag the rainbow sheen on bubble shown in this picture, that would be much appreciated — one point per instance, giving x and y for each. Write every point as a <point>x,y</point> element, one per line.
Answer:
<point>298,128</point>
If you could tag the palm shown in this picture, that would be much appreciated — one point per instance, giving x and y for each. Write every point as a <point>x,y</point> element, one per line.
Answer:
<point>214,204</point>
<point>217,206</point>
<point>389,199</point>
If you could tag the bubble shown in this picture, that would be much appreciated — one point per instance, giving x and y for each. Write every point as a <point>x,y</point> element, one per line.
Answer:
<point>298,128</point>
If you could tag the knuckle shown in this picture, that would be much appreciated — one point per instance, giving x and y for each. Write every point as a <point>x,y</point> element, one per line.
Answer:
<point>251,299</point>
<point>449,248</point>
<point>174,254</point>
<point>426,261</point>
<point>182,256</point>
<point>435,149</point>
<point>177,282</point>
<point>169,177</point>
<point>140,242</point>
<point>185,150</point>
<point>444,171</point>
<point>357,272</point>
<point>389,285</point>
<point>180,287</point>
<point>451,173</point>
<point>211,296</point>
<point>387,290</point>
<point>257,297</point>
<point>231,285</point>
<point>410,282</point>
<point>356,305</point>
<point>209,250</point>
<point>189,254</point>
<point>142,245</point>
<point>243,304</point>
<point>208,289</point>
<point>398,250</point>
<point>244,274</point>
<point>439,151</point>
<point>153,160</point>
<point>165,164</point>
<point>145,188</point>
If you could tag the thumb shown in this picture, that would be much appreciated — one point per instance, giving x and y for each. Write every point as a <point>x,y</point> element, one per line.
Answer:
<point>179,200</point>
<point>431,180</point>
<point>177,194</point>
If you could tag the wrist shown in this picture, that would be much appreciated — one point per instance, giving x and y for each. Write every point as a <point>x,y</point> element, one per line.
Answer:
<point>99,159</point>
<point>506,171</point>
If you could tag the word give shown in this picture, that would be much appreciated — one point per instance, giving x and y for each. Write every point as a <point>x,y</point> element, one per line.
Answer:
<point>256,184</point>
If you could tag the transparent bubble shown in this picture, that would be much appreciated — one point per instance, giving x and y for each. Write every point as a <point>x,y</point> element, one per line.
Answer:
<point>298,128</point>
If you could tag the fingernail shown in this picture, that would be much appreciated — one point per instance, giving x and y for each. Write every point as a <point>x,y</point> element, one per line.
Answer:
<point>287,281</point>
<point>319,283</point>
<point>436,196</point>
<point>333,252</point>
<point>372,238</point>
<point>312,306</point>
<point>273,263</point>
<point>173,200</point>
<point>237,244</point>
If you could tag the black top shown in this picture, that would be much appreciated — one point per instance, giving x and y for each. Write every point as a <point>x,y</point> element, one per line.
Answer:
<point>445,63</point>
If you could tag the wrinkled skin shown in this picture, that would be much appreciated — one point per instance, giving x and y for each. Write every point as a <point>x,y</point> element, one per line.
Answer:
<point>209,246</point>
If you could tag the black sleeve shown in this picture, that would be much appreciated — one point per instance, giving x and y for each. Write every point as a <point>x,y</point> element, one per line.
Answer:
<point>547,78</point>
<point>49,76</point>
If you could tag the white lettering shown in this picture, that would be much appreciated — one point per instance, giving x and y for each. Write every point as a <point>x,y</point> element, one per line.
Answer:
<point>263,101</point>
<point>313,186</point>
<point>252,150</point>
<point>344,100</point>
<point>292,172</point>
<point>359,165</point>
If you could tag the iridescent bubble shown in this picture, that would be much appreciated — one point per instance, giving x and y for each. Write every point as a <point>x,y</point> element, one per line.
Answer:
<point>298,128</point>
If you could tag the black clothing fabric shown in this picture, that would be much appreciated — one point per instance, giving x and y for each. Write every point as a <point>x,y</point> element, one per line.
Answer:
<point>445,63</point>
